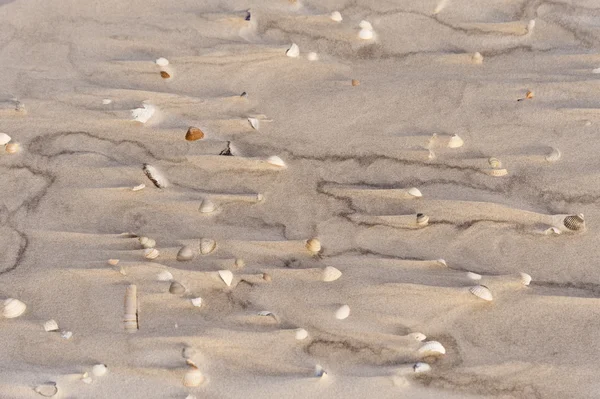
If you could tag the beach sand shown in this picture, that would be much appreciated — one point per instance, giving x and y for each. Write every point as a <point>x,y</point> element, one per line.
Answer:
<point>74,70</point>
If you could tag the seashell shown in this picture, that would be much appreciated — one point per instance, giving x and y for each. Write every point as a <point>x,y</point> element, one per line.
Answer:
<point>155,176</point>
<point>66,334</point>
<point>596,70</point>
<point>365,25</point>
<point>554,155</point>
<point>244,95</point>
<point>13,308</point>
<point>147,242</point>
<point>248,16</point>
<point>139,187</point>
<point>415,192</point>
<point>442,262</point>
<point>422,219</point>
<point>197,302</point>
<point>151,253</point>
<point>550,231</point>
<point>313,245</point>
<point>206,206</point>
<point>239,263</point>
<point>51,325</point>
<point>144,113</point>
<point>421,367</point>
<point>343,312</point>
<point>530,25</point>
<point>365,34</point>
<point>185,253</point>
<point>320,371</point>
<point>165,275</point>
<point>525,279</point>
<point>193,134</point>
<point>254,123</point>
<point>301,334</point>
<point>266,313</point>
<point>293,51</point>
<point>106,101</point>
<point>176,288</point>
<point>330,273</point>
<point>276,161</point>
<point>207,246</point>
<point>481,291</point>
<point>477,58</point>
<point>226,276</point>
<point>267,277</point>
<point>113,262</point>
<point>162,62</point>
<point>47,390</point>
<point>529,95</point>
<point>473,276</point>
<point>355,82</point>
<point>99,370</point>
<point>336,16</point>
<point>4,138</point>
<point>86,379</point>
<point>164,75</point>
<point>312,56</point>
<point>130,319</point>
<point>455,141</point>
<point>193,378</point>
<point>432,348</point>
<point>495,172</point>
<point>495,163</point>
<point>418,336</point>
<point>574,222</point>
<point>12,148</point>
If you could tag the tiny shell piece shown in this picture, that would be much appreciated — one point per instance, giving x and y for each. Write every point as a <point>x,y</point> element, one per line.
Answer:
<point>185,253</point>
<point>165,275</point>
<point>495,163</point>
<point>481,291</point>
<point>144,113</point>
<point>226,276</point>
<point>147,242</point>
<point>320,371</point>
<point>343,312</point>
<point>554,156</point>
<point>176,288</point>
<point>276,161</point>
<point>193,378</point>
<point>418,336</point>
<point>415,192</point>
<point>207,245</point>
<point>477,58</point>
<point>421,367</point>
<point>267,277</point>
<point>13,308</point>
<point>99,370</point>
<point>336,16</point>
<point>254,123</point>
<point>66,334</point>
<point>355,82</point>
<point>525,279</point>
<point>432,348</point>
<point>313,245</point>
<point>151,253</point>
<point>365,34</point>
<point>442,262</point>
<point>51,325</point>
<point>312,56</point>
<point>495,172</point>
<point>530,25</point>
<point>301,334</point>
<point>365,25</point>
<point>162,62</point>
<point>106,101</point>
<point>193,134</point>
<point>330,273</point>
<point>12,148</point>
<point>207,206</point>
<point>293,51</point>
<point>130,318</point>
<point>197,301</point>
<point>164,75</point>
<point>473,276</point>
<point>155,176</point>
<point>4,138</point>
<point>139,187</point>
<point>239,263</point>
<point>113,262</point>
<point>422,219</point>
<point>455,141</point>
<point>86,379</point>
<point>47,390</point>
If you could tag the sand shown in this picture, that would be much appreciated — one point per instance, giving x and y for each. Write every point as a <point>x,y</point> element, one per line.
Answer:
<point>74,70</point>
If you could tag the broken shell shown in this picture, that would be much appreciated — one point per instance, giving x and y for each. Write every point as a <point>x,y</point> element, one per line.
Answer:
<point>185,253</point>
<point>207,206</point>
<point>162,61</point>
<point>330,273</point>
<point>355,82</point>
<point>495,163</point>
<point>432,348</point>
<point>313,245</point>
<point>106,101</point>
<point>343,312</point>
<point>176,288</point>
<point>13,308</point>
<point>473,276</point>
<point>165,275</point>
<point>455,141</point>
<point>86,379</point>
<point>4,138</point>
<point>574,222</point>
<point>530,25</point>
<point>550,231</point>
<point>113,262</point>
<point>193,378</point>
<point>293,51</point>
<point>301,334</point>
<point>267,277</point>
<point>525,279</point>
<point>226,276</point>
<point>529,95</point>
<point>254,123</point>
<point>481,291</point>
<point>151,253</point>
<point>193,134</point>
<point>130,318</point>
<point>495,172</point>
<point>422,219</point>
<point>365,25</point>
<point>477,58</point>
<point>66,334</point>
<point>155,176</point>
<point>47,390</point>
<point>312,56</point>
<point>164,75</point>
<point>99,370</point>
<point>144,113</point>
<point>12,148</point>
<point>320,371</point>
<point>365,34</point>
<point>336,16</point>
<point>207,245</point>
<point>276,161</point>
<point>197,302</point>
<point>51,325</point>
<point>139,187</point>
<point>147,242</point>
<point>418,336</point>
<point>554,155</point>
<point>415,192</point>
<point>442,262</point>
<point>421,367</point>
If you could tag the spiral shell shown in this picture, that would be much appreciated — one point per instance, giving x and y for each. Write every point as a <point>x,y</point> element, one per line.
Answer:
<point>483,292</point>
<point>293,51</point>
<point>525,279</point>
<point>313,245</point>
<point>226,276</point>
<point>421,367</point>
<point>176,288</point>
<point>51,325</point>
<point>193,378</point>
<point>185,253</point>
<point>432,348</point>
<point>301,334</point>
<point>415,192</point>
<point>147,242</point>
<point>151,253</point>
<point>13,308</point>
<point>330,273</point>
<point>336,16</point>
<point>99,370</point>
<point>422,219</point>
<point>131,309</point>
<point>343,312</point>
<point>47,390</point>
<point>207,206</point>
<point>207,245</point>
<point>495,163</point>
<point>455,141</point>
<point>574,222</point>
<point>4,138</point>
<point>554,156</point>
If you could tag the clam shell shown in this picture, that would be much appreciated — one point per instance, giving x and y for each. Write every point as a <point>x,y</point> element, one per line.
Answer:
<point>207,206</point>
<point>313,245</point>
<point>483,292</point>
<point>144,113</point>
<point>343,312</point>
<point>365,34</point>
<point>432,348</point>
<point>193,378</point>
<point>477,58</point>
<point>473,276</point>
<point>495,163</point>
<point>176,288</point>
<point>99,370</point>
<point>525,279</point>
<point>207,245</point>
<point>276,161</point>
<point>151,253</point>
<point>12,148</point>
<point>147,242</point>
<point>197,302</point>
<point>155,176</point>
<point>254,123</point>
<point>422,219</point>
<point>554,156</point>
<point>51,325</point>
<point>4,138</point>
<point>47,390</point>
<point>13,308</point>
<point>193,134</point>
<point>336,16</point>
<point>365,25</point>
<point>139,187</point>
<point>330,273</point>
<point>185,253</point>
<point>162,62</point>
<point>165,275</point>
<point>113,262</point>
<point>495,172</point>
<point>421,367</point>
<point>131,309</point>
<point>293,51</point>
<point>418,336</point>
<point>574,222</point>
<point>455,141</point>
<point>301,334</point>
<point>415,192</point>
<point>226,276</point>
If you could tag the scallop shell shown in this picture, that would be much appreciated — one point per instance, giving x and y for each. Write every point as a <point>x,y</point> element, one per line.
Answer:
<point>495,172</point>
<point>418,336</point>
<point>365,25</point>
<point>301,334</point>
<point>525,279</point>
<point>312,56</point>
<point>185,253</point>
<point>554,156</point>
<point>477,58</point>
<point>176,288</point>
<point>293,51</point>
<point>276,161</point>
<point>151,253</point>
<point>415,192</point>
<point>313,245</point>
<point>421,367</point>
<point>147,242</point>
<point>574,222</point>
<point>336,16</point>
<point>47,390</point>
<point>495,163</point>
<point>144,113</point>
<point>432,348</point>
<point>131,309</point>
<point>473,276</point>
<point>254,123</point>
<point>207,245</point>
<point>455,141</point>
<point>481,291</point>
<point>4,138</point>
<point>165,275</point>
<point>113,262</point>
<point>12,148</point>
<point>343,312</point>
<point>330,273</point>
<point>226,276</point>
<point>207,206</point>
<point>365,34</point>
<point>193,134</point>
<point>99,370</point>
<point>162,62</point>
<point>139,187</point>
<point>13,308</point>
<point>51,325</point>
<point>197,302</point>
<point>193,378</point>
<point>155,176</point>
<point>422,219</point>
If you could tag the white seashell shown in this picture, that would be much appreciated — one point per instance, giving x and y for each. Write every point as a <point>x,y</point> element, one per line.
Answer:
<point>455,141</point>
<point>4,138</point>
<point>473,276</point>
<point>293,51</point>
<point>554,155</point>
<point>320,371</point>
<point>525,279</point>
<point>113,262</point>
<point>551,231</point>
<point>254,123</point>
<point>421,367</point>
<point>47,390</point>
<point>162,62</point>
<point>144,113</point>
<point>495,172</point>
<point>226,276</point>
<point>432,348</point>
<point>330,273</point>
<point>336,16</point>
<point>415,192</point>
<point>343,312</point>
<point>176,288</point>
<point>151,253</point>
<point>313,245</point>
<point>596,70</point>
<point>530,25</point>
<point>165,275</point>
<point>185,253</point>
<point>481,291</point>
<point>193,378</point>
<point>51,325</point>
<point>155,176</point>
<point>12,148</point>
<point>13,308</point>
<point>99,370</point>
<point>139,187</point>
<point>365,34</point>
<point>207,245</point>
<point>418,336</point>
<point>130,319</point>
<point>440,6</point>
<point>147,242</point>
<point>442,262</point>
<point>106,101</point>
<point>422,219</point>
<point>477,58</point>
<point>365,25</point>
<point>66,334</point>
<point>301,334</point>
<point>86,379</point>
<point>312,56</point>
<point>266,313</point>
<point>207,206</point>
<point>197,302</point>
<point>276,161</point>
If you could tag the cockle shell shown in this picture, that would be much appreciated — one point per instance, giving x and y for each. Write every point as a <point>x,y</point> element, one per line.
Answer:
<point>343,312</point>
<point>415,192</point>
<point>330,273</point>
<point>422,219</point>
<point>4,138</point>
<point>99,370</point>
<point>155,176</point>
<point>113,262</point>
<point>185,253</point>
<point>193,134</point>
<point>313,245</point>
<point>336,16</point>
<point>432,348</point>
<point>207,206</point>
<point>226,276</point>
<point>254,123</point>
<point>301,334</point>
<point>47,390</point>
<point>162,62</point>
<point>151,253</point>
<point>144,113</point>
<point>525,279</point>
<point>12,148</point>
<point>495,163</point>
<point>147,242</point>
<point>193,378</point>
<point>365,25</point>
<point>574,222</point>
<point>483,292</point>
<point>418,336</point>
<point>495,172</point>
<point>365,34</point>
<point>139,187</point>
<point>276,161</point>
<point>473,276</point>
<point>13,308</point>
<point>554,156</point>
<point>176,288</point>
<point>455,141</point>
<point>197,302</point>
<point>293,51</point>
<point>477,58</point>
<point>130,319</point>
<point>207,245</point>
<point>165,275</point>
<point>51,325</point>
<point>421,367</point>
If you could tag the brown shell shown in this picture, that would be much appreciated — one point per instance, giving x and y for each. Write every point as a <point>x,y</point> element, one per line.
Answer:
<point>194,134</point>
<point>164,75</point>
<point>355,82</point>
<point>574,222</point>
